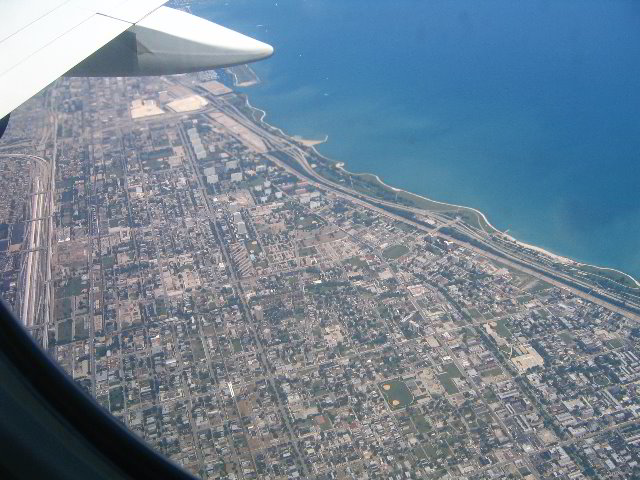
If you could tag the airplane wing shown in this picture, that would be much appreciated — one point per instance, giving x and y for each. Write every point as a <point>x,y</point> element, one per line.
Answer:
<point>41,40</point>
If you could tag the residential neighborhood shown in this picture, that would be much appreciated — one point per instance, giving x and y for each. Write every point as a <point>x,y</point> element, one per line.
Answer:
<point>249,321</point>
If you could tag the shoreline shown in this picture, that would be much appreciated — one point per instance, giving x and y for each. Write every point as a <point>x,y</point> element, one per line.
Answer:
<point>558,258</point>
<point>248,83</point>
<point>340,165</point>
<point>309,142</point>
<point>554,256</point>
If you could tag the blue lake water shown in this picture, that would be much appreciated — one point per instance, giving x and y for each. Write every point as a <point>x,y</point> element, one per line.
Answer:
<point>528,111</point>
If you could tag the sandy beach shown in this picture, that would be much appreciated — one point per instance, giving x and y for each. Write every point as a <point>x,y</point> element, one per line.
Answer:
<point>309,142</point>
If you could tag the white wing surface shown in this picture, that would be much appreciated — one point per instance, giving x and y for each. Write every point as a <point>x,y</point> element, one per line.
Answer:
<point>40,40</point>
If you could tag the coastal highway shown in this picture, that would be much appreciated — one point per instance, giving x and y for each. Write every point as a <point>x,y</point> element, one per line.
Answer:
<point>480,237</point>
<point>279,143</point>
<point>511,260</point>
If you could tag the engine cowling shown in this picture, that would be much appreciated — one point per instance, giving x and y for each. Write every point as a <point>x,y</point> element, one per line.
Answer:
<point>171,41</point>
<point>4,123</point>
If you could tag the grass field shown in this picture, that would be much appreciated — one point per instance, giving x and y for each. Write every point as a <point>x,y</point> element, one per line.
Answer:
<point>198,349</point>
<point>396,393</point>
<point>474,313</point>
<point>63,307</point>
<point>255,180</point>
<point>614,343</point>
<point>116,399</point>
<point>81,330</point>
<point>73,287</point>
<point>155,164</point>
<point>108,261</point>
<point>306,251</point>
<point>65,330</point>
<point>492,372</point>
<point>501,328</point>
<point>421,423</point>
<point>357,262</point>
<point>446,378</point>
<point>601,380</point>
<point>394,251</point>
<point>538,286</point>
<point>323,422</point>
<point>566,336</point>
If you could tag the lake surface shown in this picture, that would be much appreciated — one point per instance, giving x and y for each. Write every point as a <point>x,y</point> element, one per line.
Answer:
<point>528,111</point>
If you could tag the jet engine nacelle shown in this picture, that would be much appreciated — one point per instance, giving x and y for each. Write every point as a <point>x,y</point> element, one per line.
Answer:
<point>4,122</point>
<point>169,41</point>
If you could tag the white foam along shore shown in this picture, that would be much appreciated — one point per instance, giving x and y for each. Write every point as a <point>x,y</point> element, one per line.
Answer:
<point>340,165</point>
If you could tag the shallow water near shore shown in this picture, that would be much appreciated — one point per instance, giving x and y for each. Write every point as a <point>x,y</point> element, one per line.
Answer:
<point>528,111</point>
